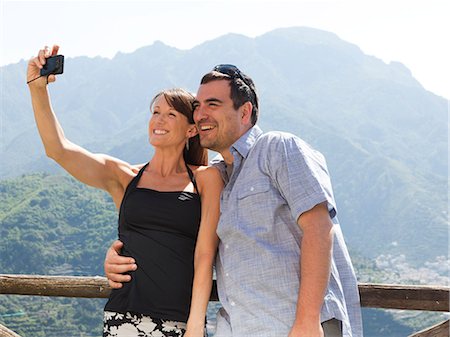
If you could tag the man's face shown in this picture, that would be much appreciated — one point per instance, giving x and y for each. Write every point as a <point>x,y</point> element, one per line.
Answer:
<point>218,123</point>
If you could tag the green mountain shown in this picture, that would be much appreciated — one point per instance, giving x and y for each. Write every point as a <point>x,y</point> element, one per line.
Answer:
<point>53,225</point>
<point>56,226</point>
<point>57,223</point>
<point>384,136</point>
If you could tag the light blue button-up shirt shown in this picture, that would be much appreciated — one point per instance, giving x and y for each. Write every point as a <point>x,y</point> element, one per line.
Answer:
<point>275,178</point>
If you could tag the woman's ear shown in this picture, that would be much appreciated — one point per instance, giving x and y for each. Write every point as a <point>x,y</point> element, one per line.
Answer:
<point>192,131</point>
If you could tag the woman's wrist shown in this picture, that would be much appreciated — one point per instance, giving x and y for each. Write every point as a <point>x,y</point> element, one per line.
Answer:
<point>195,326</point>
<point>37,87</point>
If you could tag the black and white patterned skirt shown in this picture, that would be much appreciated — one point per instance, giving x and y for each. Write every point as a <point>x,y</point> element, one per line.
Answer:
<point>137,325</point>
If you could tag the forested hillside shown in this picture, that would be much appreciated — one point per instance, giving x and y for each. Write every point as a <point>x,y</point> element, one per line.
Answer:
<point>53,225</point>
<point>384,136</point>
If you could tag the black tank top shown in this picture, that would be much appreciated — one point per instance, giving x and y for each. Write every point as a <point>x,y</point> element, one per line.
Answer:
<point>159,230</point>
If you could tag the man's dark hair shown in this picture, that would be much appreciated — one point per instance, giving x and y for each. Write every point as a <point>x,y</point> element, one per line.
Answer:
<point>242,90</point>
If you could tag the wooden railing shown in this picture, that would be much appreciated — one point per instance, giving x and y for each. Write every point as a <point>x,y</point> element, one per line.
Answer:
<point>386,296</point>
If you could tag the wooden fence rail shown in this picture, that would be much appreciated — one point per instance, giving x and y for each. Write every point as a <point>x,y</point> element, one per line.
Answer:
<point>385,296</point>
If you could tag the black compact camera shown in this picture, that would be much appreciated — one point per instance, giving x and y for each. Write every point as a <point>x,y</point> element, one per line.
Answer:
<point>53,65</point>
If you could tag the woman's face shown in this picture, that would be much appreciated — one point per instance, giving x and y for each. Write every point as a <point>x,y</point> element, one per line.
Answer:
<point>168,127</point>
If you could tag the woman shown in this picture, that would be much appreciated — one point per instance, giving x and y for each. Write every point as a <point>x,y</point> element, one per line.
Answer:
<point>160,206</point>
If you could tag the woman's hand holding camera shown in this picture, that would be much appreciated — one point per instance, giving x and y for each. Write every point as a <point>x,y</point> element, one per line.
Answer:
<point>35,65</point>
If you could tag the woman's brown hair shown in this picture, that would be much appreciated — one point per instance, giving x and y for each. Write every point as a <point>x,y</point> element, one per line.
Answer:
<point>181,100</point>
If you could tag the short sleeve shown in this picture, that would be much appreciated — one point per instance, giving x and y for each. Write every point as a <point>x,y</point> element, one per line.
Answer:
<point>301,174</point>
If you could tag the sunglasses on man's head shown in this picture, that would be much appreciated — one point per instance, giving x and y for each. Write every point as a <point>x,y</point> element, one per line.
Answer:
<point>229,69</point>
<point>232,71</point>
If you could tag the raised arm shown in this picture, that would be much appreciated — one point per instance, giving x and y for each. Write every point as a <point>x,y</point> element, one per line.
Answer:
<point>96,170</point>
<point>210,186</point>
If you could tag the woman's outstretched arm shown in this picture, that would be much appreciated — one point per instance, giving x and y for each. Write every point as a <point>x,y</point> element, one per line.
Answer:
<point>96,170</point>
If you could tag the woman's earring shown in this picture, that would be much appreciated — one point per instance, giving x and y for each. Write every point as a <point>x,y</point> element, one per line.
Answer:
<point>187,144</point>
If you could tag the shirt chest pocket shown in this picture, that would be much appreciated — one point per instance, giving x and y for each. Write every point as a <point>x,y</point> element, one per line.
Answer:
<point>255,189</point>
<point>254,205</point>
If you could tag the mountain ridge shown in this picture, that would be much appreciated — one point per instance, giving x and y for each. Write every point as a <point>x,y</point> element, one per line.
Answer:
<point>384,136</point>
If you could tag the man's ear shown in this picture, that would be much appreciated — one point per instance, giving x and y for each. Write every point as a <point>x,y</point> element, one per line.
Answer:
<point>246,112</point>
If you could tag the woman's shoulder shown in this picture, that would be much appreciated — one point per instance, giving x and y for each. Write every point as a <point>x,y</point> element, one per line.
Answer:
<point>121,173</point>
<point>202,168</point>
<point>135,168</point>
<point>206,174</point>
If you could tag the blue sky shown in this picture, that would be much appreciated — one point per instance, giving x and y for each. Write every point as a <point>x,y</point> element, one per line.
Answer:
<point>413,32</point>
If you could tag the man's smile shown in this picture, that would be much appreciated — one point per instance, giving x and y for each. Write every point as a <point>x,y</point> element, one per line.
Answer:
<point>206,127</point>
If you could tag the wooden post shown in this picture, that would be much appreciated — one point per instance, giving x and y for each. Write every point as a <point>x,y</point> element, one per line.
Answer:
<point>438,330</point>
<point>5,332</point>
<point>66,286</point>
<point>407,297</point>
<point>386,296</point>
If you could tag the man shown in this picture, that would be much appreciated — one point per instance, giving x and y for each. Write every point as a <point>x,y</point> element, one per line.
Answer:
<point>282,268</point>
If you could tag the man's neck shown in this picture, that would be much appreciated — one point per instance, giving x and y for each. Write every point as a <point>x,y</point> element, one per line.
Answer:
<point>227,157</point>
<point>226,154</point>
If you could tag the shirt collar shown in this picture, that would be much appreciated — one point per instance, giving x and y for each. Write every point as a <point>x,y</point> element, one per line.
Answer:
<point>242,146</point>
<point>247,140</point>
